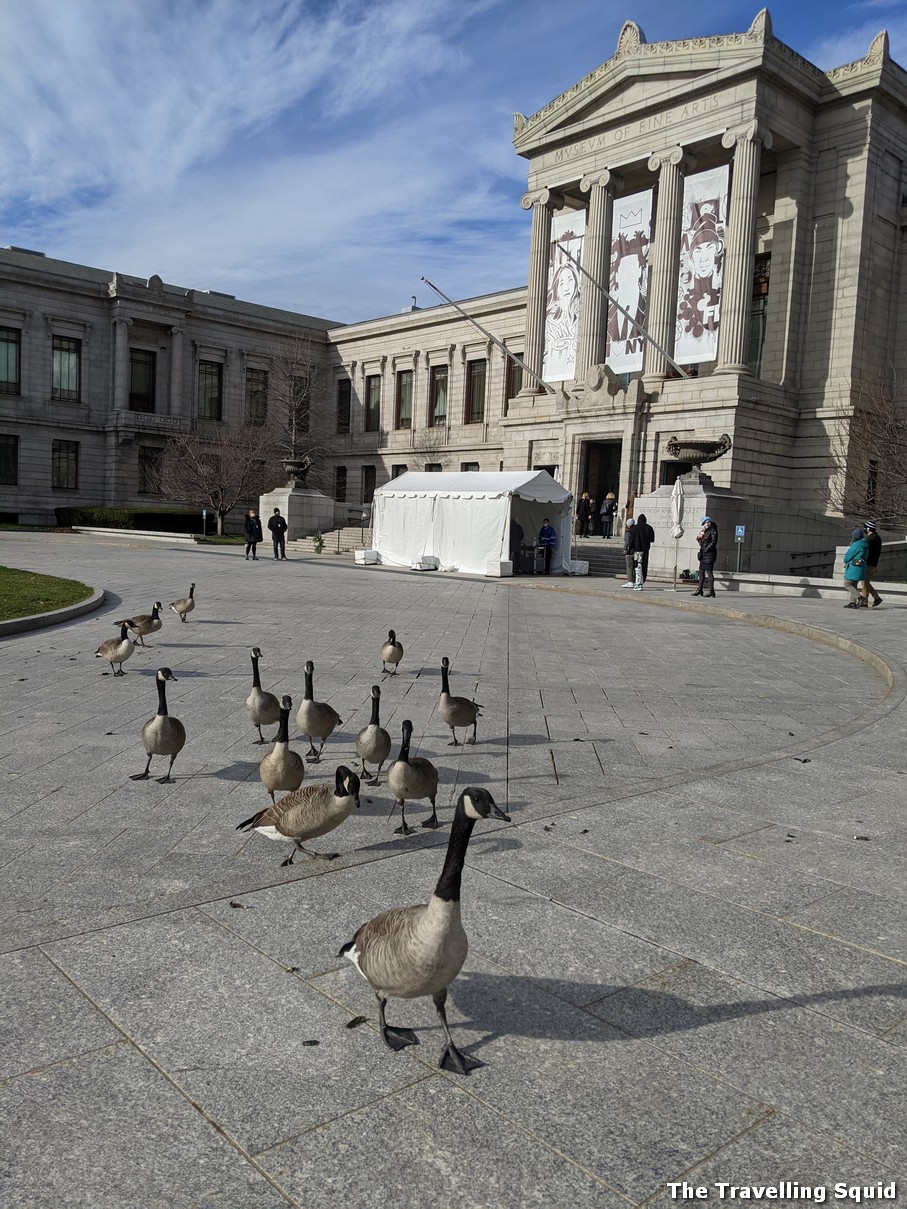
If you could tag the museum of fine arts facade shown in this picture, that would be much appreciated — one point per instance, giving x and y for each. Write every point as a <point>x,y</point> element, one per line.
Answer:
<point>743,206</point>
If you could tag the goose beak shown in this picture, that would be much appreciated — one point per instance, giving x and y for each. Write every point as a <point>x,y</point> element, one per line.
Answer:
<point>498,813</point>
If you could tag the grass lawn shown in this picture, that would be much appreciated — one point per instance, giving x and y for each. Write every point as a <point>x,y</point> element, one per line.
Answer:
<point>23,593</point>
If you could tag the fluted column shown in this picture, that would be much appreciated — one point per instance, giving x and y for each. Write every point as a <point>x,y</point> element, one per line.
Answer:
<point>121,328</point>
<point>541,204</point>
<point>661,311</point>
<point>740,247</point>
<point>593,310</point>
<point>176,371</point>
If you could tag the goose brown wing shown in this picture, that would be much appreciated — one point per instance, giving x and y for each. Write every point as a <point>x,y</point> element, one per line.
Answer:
<point>384,943</point>
<point>294,814</point>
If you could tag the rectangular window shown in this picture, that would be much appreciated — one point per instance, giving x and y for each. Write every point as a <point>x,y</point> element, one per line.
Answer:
<point>373,403</point>
<point>404,414</point>
<point>150,461</point>
<point>210,390</point>
<point>396,471</point>
<point>9,460</point>
<point>67,375</point>
<point>437,391</point>
<point>514,381</point>
<point>141,379</point>
<point>64,472</point>
<point>344,397</point>
<point>368,484</point>
<point>469,466</point>
<point>10,345</point>
<point>475,391</point>
<point>256,396</point>
<point>433,467</point>
<point>758,311</point>
<point>340,484</point>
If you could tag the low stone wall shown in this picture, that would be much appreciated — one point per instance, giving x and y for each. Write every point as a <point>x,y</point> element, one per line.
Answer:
<point>892,563</point>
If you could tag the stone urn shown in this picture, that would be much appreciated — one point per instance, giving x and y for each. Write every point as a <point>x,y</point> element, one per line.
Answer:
<point>297,470</point>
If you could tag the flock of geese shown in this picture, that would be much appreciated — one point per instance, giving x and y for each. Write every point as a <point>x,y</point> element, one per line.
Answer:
<point>404,953</point>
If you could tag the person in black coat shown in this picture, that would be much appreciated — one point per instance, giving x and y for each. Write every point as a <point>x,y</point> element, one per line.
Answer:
<point>872,565</point>
<point>584,516</point>
<point>253,533</point>
<point>278,527</point>
<point>708,552</point>
<point>645,538</point>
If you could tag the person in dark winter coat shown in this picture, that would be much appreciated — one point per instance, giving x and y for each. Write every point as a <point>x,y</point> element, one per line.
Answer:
<point>547,540</point>
<point>647,537</point>
<point>872,565</point>
<point>253,533</point>
<point>637,544</point>
<point>855,559</point>
<point>584,516</point>
<point>708,552</point>
<point>628,552</point>
<point>278,527</point>
<point>607,512</point>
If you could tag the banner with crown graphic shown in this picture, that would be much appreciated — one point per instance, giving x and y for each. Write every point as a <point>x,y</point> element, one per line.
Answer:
<point>701,266</point>
<point>631,228</point>
<point>562,302</point>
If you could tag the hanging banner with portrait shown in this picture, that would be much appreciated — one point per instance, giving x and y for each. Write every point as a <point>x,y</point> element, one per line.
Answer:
<point>562,302</point>
<point>701,266</point>
<point>631,225</point>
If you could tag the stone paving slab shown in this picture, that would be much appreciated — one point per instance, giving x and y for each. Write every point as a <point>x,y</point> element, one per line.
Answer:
<point>682,963</point>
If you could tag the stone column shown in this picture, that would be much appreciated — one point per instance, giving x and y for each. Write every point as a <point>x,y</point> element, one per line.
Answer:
<point>593,312</point>
<point>176,372</point>
<point>121,328</point>
<point>661,314</point>
<point>740,247</point>
<point>541,204</point>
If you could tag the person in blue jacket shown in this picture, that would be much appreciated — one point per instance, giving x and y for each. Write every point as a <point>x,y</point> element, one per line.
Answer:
<point>547,540</point>
<point>855,559</point>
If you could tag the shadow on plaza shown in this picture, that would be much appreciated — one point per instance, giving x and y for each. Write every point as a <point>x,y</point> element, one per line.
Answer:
<point>523,1006</point>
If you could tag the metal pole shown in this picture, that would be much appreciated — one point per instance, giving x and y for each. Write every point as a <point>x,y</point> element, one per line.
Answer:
<point>503,347</point>
<point>739,552</point>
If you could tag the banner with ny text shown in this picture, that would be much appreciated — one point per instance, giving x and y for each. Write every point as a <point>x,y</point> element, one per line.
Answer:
<point>628,278</point>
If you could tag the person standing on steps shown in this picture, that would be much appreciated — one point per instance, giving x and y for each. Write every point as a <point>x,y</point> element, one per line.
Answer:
<point>584,515</point>
<point>874,543</point>
<point>278,527</point>
<point>855,559</point>
<point>607,513</point>
<point>253,534</point>
<point>708,553</point>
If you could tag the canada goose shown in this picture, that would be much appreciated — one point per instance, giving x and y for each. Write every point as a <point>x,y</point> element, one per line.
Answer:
<point>162,735</point>
<point>456,711</point>
<point>373,742</point>
<point>263,708</point>
<point>282,768</point>
<point>316,719</point>
<point>412,777</point>
<point>413,951</point>
<point>391,652</point>
<point>309,812</point>
<point>146,623</point>
<point>185,605</point>
<point>116,650</point>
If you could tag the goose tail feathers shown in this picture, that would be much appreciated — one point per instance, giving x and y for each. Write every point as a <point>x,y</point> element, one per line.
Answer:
<point>248,824</point>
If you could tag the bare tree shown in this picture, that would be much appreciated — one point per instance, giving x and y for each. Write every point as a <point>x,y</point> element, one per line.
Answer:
<point>430,443</point>
<point>296,416</point>
<point>217,466</point>
<point>868,457</point>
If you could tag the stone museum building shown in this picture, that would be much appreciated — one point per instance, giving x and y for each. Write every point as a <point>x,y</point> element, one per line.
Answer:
<point>743,207</point>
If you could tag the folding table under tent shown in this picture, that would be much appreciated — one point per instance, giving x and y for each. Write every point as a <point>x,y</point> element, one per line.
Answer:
<point>461,522</point>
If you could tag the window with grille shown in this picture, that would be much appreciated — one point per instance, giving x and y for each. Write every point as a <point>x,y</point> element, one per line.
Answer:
<point>344,398</point>
<point>256,396</point>
<point>373,403</point>
<point>475,391</point>
<point>437,403</point>
<point>469,466</point>
<point>9,460</point>
<point>64,473</point>
<point>514,381</point>
<point>404,417</point>
<point>67,369</point>
<point>368,484</point>
<point>142,364</point>
<point>210,390</point>
<point>151,459</point>
<point>10,373</point>
<point>396,471</point>
<point>758,312</point>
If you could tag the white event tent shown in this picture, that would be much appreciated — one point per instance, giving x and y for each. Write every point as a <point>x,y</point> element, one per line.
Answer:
<point>461,522</point>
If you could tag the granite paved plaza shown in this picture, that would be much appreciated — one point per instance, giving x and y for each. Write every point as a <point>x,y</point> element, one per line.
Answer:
<point>687,949</point>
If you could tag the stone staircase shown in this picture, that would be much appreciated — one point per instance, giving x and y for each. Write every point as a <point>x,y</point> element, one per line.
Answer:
<point>605,556</point>
<point>336,541</point>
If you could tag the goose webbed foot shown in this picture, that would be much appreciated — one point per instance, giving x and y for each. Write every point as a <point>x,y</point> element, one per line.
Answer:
<point>434,822</point>
<point>404,829</point>
<point>456,1062</point>
<point>168,780</point>
<point>313,759</point>
<point>258,742</point>
<point>398,1038</point>
<point>472,740</point>
<point>139,776</point>
<point>453,742</point>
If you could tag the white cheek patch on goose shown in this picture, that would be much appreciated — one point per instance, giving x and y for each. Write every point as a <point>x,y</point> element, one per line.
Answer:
<point>352,954</point>
<point>470,808</point>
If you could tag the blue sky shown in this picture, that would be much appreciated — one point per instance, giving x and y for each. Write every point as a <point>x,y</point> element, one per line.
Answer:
<point>318,155</point>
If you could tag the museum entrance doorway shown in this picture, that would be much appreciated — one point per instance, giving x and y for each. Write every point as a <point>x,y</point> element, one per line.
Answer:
<point>601,470</point>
